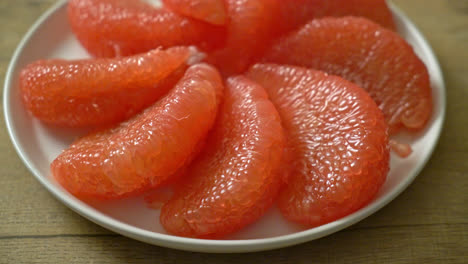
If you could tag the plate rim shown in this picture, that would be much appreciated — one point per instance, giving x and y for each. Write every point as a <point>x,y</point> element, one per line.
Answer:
<point>220,246</point>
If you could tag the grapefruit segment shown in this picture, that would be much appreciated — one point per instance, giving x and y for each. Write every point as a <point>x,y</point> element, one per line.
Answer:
<point>235,178</point>
<point>92,92</point>
<point>211,11</point>
<point>337,142</point>
<point>369,55</point>
<point>146,150</point>
<point>109,28</point>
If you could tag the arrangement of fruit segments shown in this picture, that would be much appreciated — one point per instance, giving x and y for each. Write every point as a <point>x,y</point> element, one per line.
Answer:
<point>235,106</point>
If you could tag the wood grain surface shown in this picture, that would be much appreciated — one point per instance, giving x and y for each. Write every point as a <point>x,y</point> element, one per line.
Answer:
<point>428,223</point>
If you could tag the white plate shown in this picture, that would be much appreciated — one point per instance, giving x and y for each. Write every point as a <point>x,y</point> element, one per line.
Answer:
<point>38,145</point>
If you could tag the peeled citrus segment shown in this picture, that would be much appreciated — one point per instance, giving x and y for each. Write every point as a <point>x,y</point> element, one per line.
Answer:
<point>146,150</point>
<point>235,178</point>
<point>369,55</point>
<point>89,77</point>
<point>109,28</point>
<point>210,11</point>
<point>99,111</point>
<point>94,92</point>
<point>337,142</point>
<point>250,28</point>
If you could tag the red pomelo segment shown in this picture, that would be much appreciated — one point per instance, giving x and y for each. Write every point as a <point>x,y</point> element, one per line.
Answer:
<point>337,142</point>
<point>108,28</point>
<point>369,55</point>
<point>298,12</point>
<point>146,150</point>
<point>235,178</point>
<point>100,92</point>
<point>211,11</point>
<point>250,27</point>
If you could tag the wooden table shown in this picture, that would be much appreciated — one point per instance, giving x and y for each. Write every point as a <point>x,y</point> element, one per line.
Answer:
<point>427,223</point>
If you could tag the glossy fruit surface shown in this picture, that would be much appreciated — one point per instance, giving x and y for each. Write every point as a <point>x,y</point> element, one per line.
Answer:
<point>235,179</point>
<point>369,55</point>
<point>99,92</point>
<point>338,154</point>
<point>109,28</point>
<point>146,150</point>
